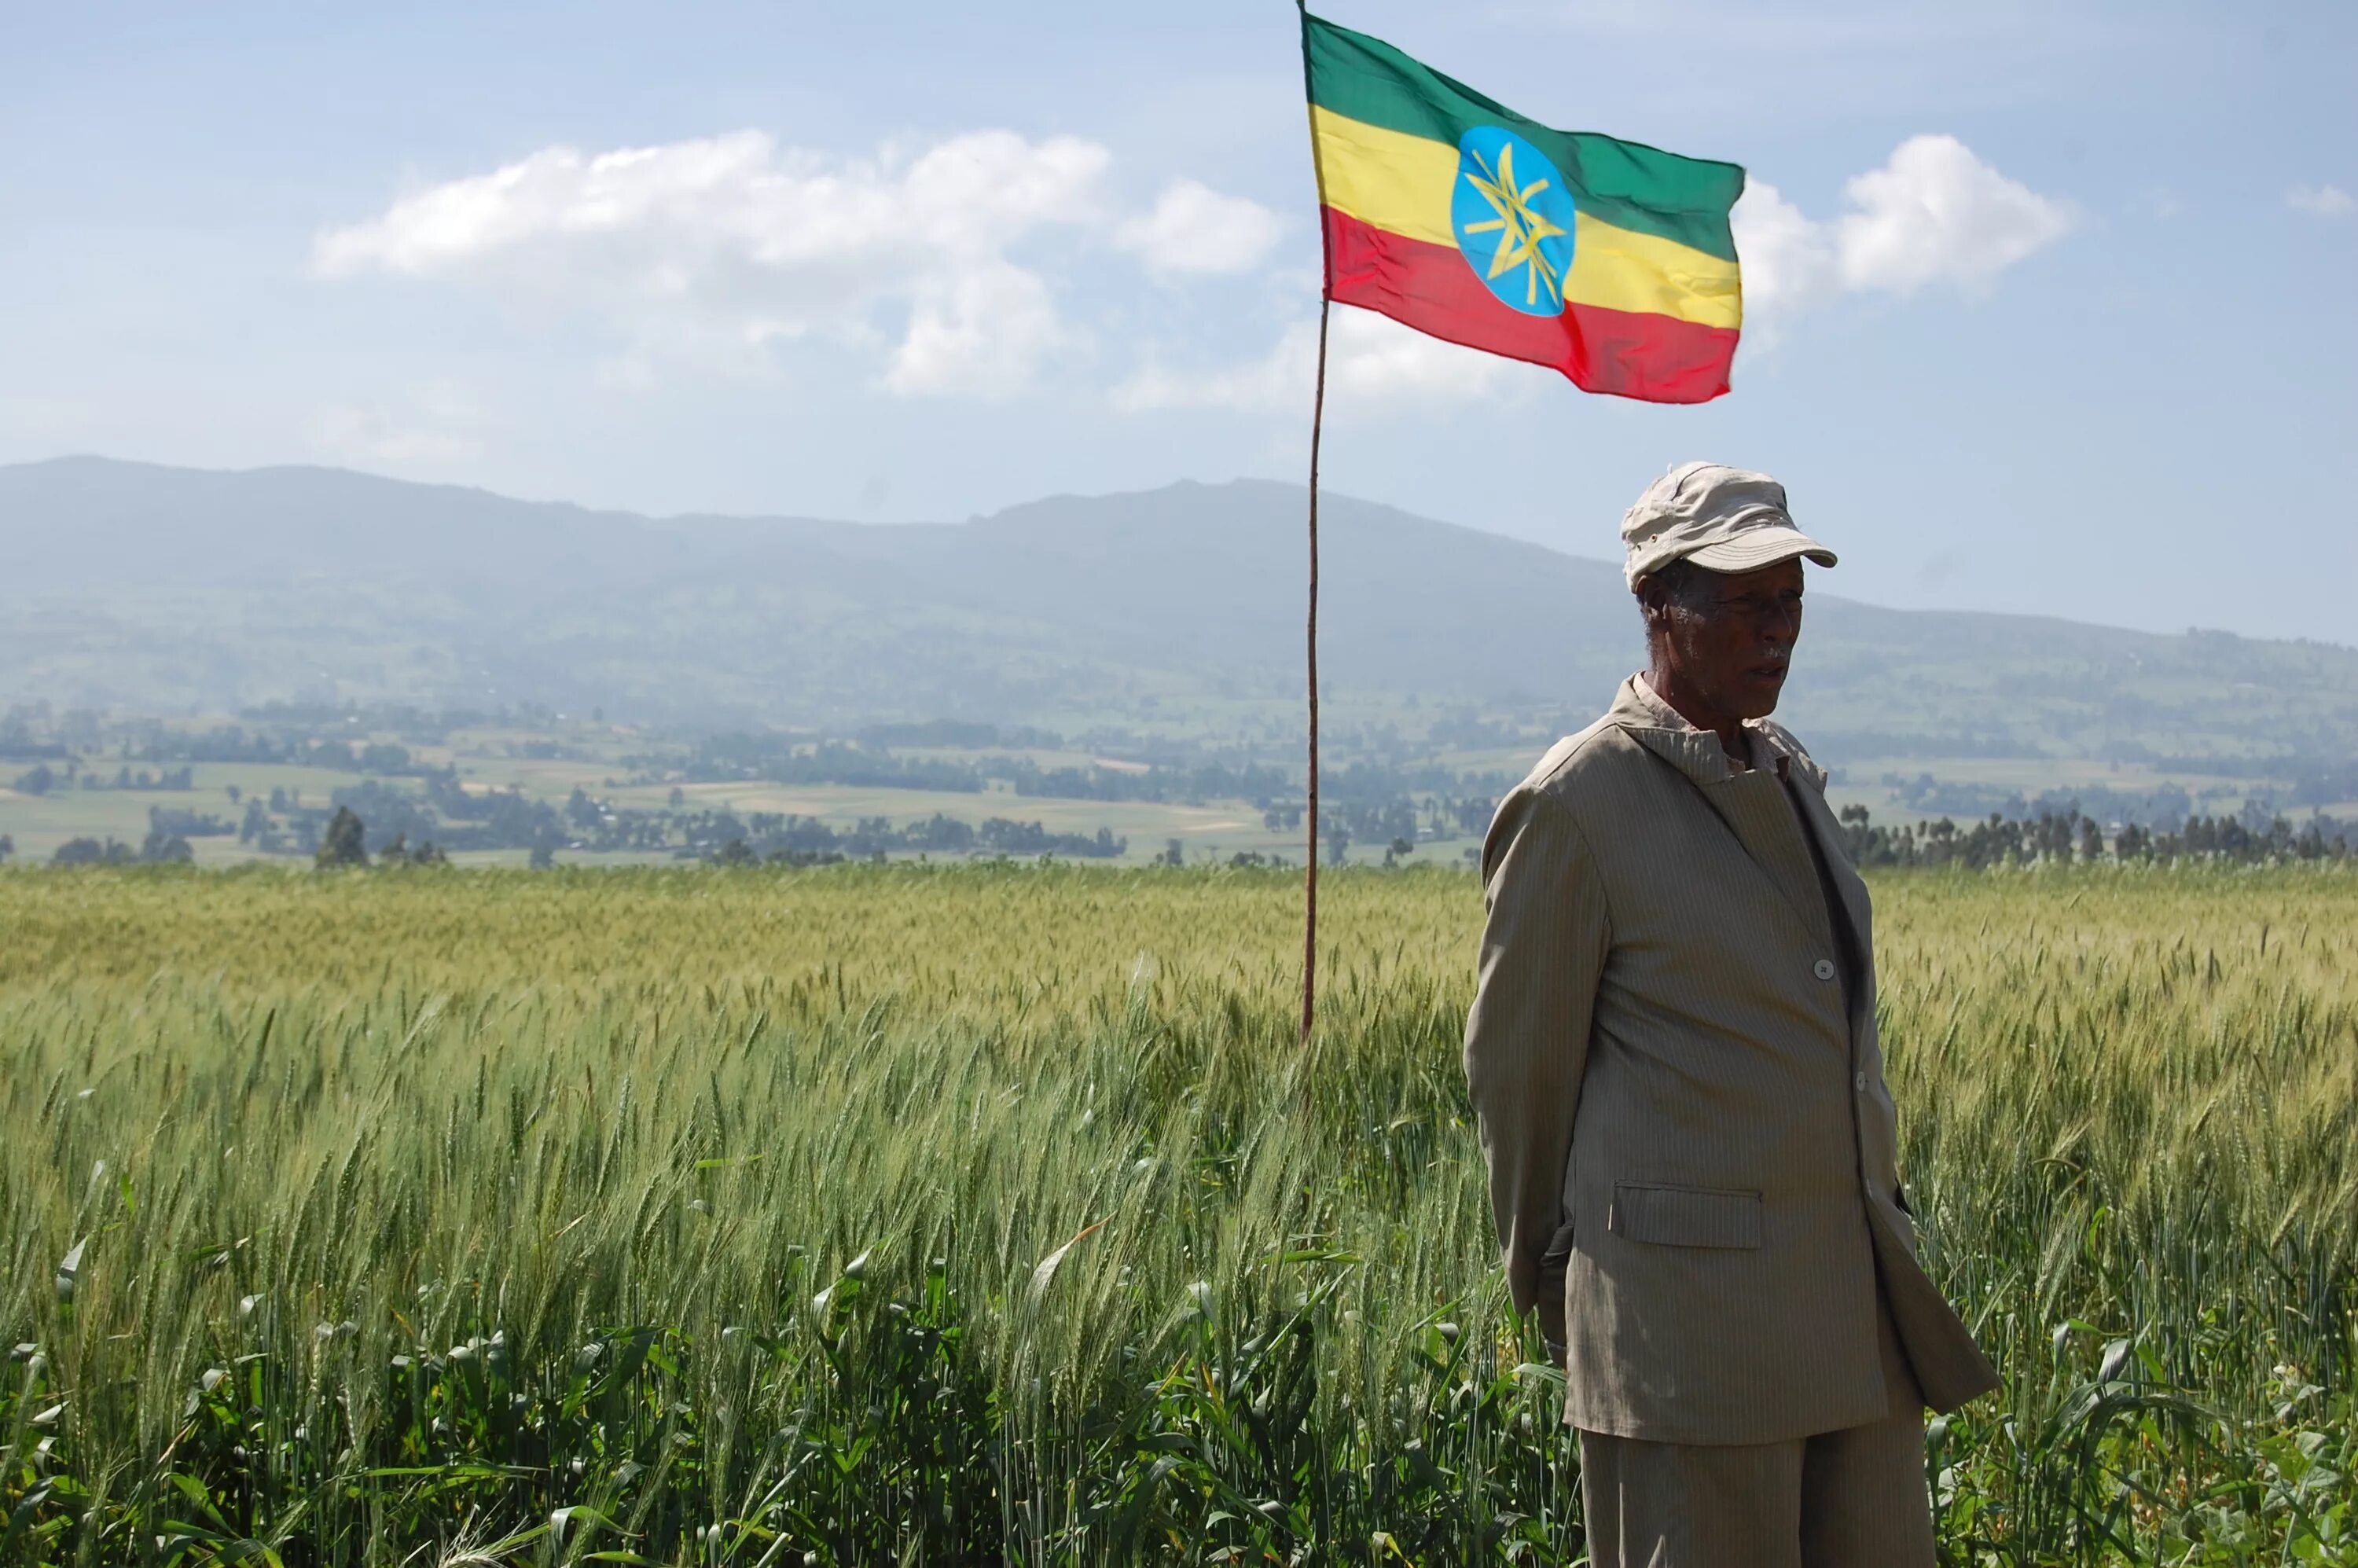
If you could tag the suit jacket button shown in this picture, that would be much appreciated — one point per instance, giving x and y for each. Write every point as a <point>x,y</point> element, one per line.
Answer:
<point>1859,1082</point>
<point>1824,968</point>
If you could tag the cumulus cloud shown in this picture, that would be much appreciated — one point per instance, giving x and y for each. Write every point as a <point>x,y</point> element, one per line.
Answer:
<point>2321,200</point>
<point>1933,215</point>
<point>1369,358</point>
<point>1936,213</point>
<point>1193,228</point>
<point>980,332</point>
<point>730,243</point>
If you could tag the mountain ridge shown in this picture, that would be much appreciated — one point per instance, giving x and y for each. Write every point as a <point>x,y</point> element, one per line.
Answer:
<point>147,585</point>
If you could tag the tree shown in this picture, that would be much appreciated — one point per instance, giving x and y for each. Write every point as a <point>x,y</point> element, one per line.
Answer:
<point>8,845</point>
<point>91,852</point>
<point>399,853</point>
<point>163,847</point>
<point>345,842</point>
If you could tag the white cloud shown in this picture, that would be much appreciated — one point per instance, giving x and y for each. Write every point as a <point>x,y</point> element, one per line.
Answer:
<point>1934,215</point>
<point>1369,358</point>
<point>716,247</point>
<point>1280,379</point>
<point>981,333</point>
<point>436,422</point>
<point>1789,260</point>
<point>1194,228</point>
<point>2321,200</point>
<point>1374,358</point>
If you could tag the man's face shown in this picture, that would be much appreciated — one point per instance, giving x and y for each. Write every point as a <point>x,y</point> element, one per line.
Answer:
<point>1730,645</point>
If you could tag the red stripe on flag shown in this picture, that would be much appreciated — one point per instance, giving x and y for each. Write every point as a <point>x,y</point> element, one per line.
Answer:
<point>1657,358</point>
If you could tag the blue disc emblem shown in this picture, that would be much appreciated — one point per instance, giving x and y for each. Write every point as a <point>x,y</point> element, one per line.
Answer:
<point>1513,219</point>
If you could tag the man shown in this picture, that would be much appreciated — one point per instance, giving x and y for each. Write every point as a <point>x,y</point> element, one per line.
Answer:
<point>1672,1054</point>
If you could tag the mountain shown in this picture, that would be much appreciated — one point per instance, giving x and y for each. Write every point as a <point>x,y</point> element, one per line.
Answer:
<point>165,589</point>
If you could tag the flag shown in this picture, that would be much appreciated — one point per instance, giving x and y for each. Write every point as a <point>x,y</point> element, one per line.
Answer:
<point>1610,261</point>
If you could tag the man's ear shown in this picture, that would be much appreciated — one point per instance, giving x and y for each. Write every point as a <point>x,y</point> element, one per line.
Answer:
<point>1652,602</point>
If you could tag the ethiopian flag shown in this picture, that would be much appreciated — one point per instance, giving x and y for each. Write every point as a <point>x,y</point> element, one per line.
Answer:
<point>1609,260</point>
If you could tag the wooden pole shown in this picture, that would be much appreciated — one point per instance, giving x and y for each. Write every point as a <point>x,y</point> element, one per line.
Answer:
<point>1309,870</point>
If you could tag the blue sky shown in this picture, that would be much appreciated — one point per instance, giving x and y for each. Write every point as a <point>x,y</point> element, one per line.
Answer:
<point>2050,305</point>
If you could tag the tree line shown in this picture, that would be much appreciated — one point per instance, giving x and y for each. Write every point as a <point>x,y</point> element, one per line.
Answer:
<point>41,778</point>
<point>2061,838</point>
<point>789,839</point>
<point>767,758</point>
<point>723,838</point>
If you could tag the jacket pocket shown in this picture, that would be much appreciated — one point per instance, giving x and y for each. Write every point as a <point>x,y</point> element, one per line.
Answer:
<point>1555,1263</point>
<point>1686,1217</point>
<point>1557,1256</point>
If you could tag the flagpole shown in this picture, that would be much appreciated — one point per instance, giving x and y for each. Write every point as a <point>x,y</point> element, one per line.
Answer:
<point>1310,871</point>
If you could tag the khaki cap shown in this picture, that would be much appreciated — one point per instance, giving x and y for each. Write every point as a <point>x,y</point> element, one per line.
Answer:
<point>1723,519</point>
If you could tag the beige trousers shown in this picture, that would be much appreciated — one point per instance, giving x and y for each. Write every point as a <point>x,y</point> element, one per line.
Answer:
<point>1853,1498</point>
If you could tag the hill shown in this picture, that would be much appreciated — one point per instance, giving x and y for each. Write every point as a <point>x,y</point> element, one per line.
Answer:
<point>165,590</point>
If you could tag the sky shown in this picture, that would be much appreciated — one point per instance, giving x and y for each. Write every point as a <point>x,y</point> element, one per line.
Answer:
<point>2049,306</point>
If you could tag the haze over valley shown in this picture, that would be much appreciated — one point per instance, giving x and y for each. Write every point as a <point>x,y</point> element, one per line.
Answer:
<point>868,670</point>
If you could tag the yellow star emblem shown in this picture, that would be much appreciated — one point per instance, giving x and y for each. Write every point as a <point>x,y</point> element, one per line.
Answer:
<point>1519,225</point>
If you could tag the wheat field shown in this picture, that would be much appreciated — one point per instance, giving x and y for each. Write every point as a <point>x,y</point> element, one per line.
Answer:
<point>993,1214</point>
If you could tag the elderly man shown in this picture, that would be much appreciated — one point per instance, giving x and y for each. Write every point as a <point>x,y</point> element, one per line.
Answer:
<point>1672,1053</point>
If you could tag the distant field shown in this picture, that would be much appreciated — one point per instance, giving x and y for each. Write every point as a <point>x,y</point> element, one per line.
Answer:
<point>992,1213</point>
<point>1211,830</point>
<point>40,824</point>
<point>1214,830</point>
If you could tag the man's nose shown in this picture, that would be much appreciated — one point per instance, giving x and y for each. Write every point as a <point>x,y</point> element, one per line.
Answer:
<point>1782,626</point>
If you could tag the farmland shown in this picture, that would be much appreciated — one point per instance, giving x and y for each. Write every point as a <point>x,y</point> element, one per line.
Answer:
<point>893,1212</point>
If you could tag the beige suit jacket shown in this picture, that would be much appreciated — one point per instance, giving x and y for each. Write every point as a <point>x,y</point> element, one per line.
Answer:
<point>1691,1147</point>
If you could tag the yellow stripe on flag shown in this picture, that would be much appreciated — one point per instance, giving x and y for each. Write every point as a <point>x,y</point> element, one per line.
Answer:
<point>1387,179</point>
<point>1620,269</point>
<point>1400,183</point>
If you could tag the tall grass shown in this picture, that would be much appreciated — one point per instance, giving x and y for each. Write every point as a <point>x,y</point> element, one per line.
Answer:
<point>907,1215</point>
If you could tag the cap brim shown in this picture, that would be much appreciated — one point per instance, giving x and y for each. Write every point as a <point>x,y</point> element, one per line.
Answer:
<point>1759,548</point>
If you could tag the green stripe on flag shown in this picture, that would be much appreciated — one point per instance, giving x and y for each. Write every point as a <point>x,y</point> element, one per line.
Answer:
<point>1627,184</point>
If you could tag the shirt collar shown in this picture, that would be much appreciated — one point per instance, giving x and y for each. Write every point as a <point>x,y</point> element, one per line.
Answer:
<point>1665,730</point>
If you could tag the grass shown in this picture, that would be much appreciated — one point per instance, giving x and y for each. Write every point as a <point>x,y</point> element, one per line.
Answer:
<point>992,1213</point>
